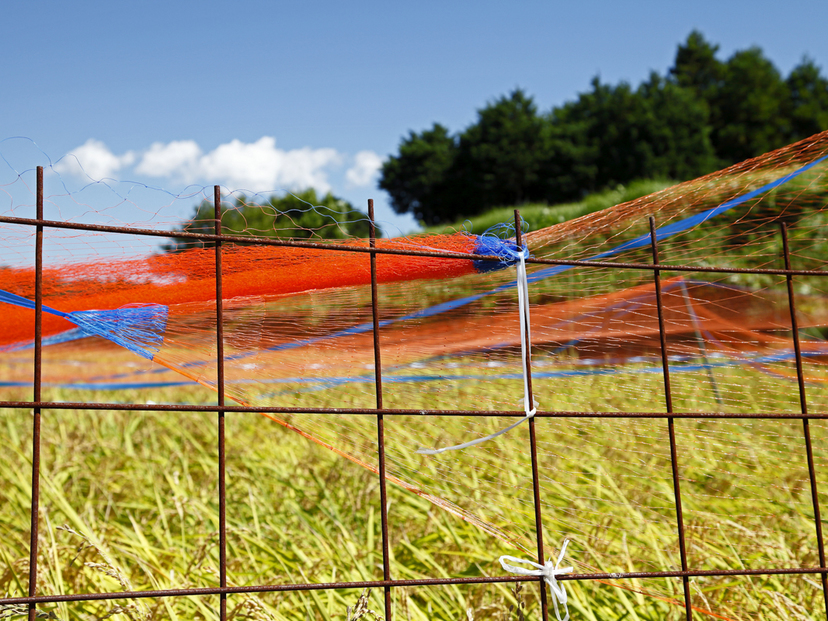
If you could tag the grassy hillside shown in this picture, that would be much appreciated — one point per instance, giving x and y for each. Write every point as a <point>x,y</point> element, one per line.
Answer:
<point>539,216</point>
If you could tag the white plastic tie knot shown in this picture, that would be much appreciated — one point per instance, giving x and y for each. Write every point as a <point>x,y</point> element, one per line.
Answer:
<point>550,574</point>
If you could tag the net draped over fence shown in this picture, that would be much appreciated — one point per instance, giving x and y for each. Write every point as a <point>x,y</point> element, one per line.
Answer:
<point>668,447</point>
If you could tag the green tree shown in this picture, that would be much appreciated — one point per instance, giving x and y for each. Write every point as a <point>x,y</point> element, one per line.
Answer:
<point>418,178</point>
<point>749,108</point>
<point>572,166</point>
<point>808,100</point>
<point>302,215</point>
<point>657,130</point>
<point>752,109</point>
<point>675,131</point>
<point>696,67</point>
<point>704,114</point>
<point>502,155</point>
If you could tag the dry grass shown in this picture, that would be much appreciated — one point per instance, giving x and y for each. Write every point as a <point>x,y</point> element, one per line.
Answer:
<point>129,501</point>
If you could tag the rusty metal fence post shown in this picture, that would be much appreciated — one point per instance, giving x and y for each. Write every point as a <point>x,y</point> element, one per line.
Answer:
<point>220,385</point>
<point>533,442</point>
<point>803,404</point>
<point>671,425</point>
<point>386,546</point>
<point>38,367</point>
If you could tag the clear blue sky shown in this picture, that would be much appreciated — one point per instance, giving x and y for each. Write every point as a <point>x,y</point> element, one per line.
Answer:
<point>327,81</point>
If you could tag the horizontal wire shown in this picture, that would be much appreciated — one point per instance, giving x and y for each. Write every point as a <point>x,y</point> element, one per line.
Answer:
<point>320,586</point>
<point>267,241</point>
<point>157,407</point>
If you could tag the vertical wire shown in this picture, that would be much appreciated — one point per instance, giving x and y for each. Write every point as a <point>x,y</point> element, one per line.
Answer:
<point>386,563</point>
<point>700,341</point>
<point>532,436</point>
<point>220,385</point>
<point>803,404</point>
<point>38,374</point>
<point>668,395</point>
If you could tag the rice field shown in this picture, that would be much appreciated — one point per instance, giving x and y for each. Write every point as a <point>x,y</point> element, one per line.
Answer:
<point>129,502</point>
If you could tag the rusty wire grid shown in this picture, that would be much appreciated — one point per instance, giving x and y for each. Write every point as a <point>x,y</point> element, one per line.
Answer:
<point>388,582</point>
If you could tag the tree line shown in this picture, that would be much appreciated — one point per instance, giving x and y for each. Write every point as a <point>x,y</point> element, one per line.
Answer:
<point>301,215</point>
<point>704,114</point>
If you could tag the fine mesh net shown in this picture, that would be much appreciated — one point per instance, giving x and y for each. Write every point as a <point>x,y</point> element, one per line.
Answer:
<point>298,333</point>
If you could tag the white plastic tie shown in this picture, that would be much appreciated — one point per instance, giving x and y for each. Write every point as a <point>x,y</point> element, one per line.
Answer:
<point>529,405</point>
<point>549,572</point>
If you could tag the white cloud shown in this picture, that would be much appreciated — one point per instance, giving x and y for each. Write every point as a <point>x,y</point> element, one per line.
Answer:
<point>255,166</point>
<point>261,166</point>
<point>93,159</point>
<point>258,166</point>
<point>365,169</point>
<point>178,158</point>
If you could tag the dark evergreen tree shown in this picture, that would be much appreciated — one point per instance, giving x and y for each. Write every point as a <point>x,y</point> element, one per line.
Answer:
<point>749,108</point>
<point>704,114</point>
<point>571,168</point>
<point>808,113</point>
<point>418,178</point>
<point>501,156</point>
<point>675,132</point>
<point>696,67</point>
<point>658,130</point>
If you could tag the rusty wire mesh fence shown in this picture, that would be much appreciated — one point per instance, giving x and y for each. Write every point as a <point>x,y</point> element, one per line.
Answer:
<point>389,582</point>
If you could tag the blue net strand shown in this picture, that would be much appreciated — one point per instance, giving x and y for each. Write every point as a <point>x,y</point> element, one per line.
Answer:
<point>592,368</point>
<point>55,339</point>
<point>11,298</point>
<point>499,241</point>
<point>137,327</point>
<point>496,241</point>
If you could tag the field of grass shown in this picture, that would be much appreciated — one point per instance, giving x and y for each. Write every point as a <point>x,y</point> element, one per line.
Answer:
<point>129,501</point>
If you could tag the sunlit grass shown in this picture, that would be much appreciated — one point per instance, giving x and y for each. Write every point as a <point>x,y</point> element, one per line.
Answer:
<point>129,501</point>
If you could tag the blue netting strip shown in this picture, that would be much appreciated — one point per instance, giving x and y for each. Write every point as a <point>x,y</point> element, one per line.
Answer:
<point>329,382</point>
<point>11,298</point>
<point>137,327</point>
<point>55,339</point>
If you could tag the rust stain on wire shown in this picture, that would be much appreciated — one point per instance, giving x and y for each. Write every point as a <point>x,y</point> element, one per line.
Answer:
<point>338,247</point>
<point>325,586</point>
<point>220,385</point>
<point>160,407</point>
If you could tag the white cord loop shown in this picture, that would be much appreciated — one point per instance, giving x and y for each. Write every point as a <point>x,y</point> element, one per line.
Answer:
<point>529,405</point>
<point>549,572</point>
<point>525,332</point>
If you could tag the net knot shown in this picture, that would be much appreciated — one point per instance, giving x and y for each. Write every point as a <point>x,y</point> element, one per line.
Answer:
<point>498,241</point>
<point>549,572</point>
